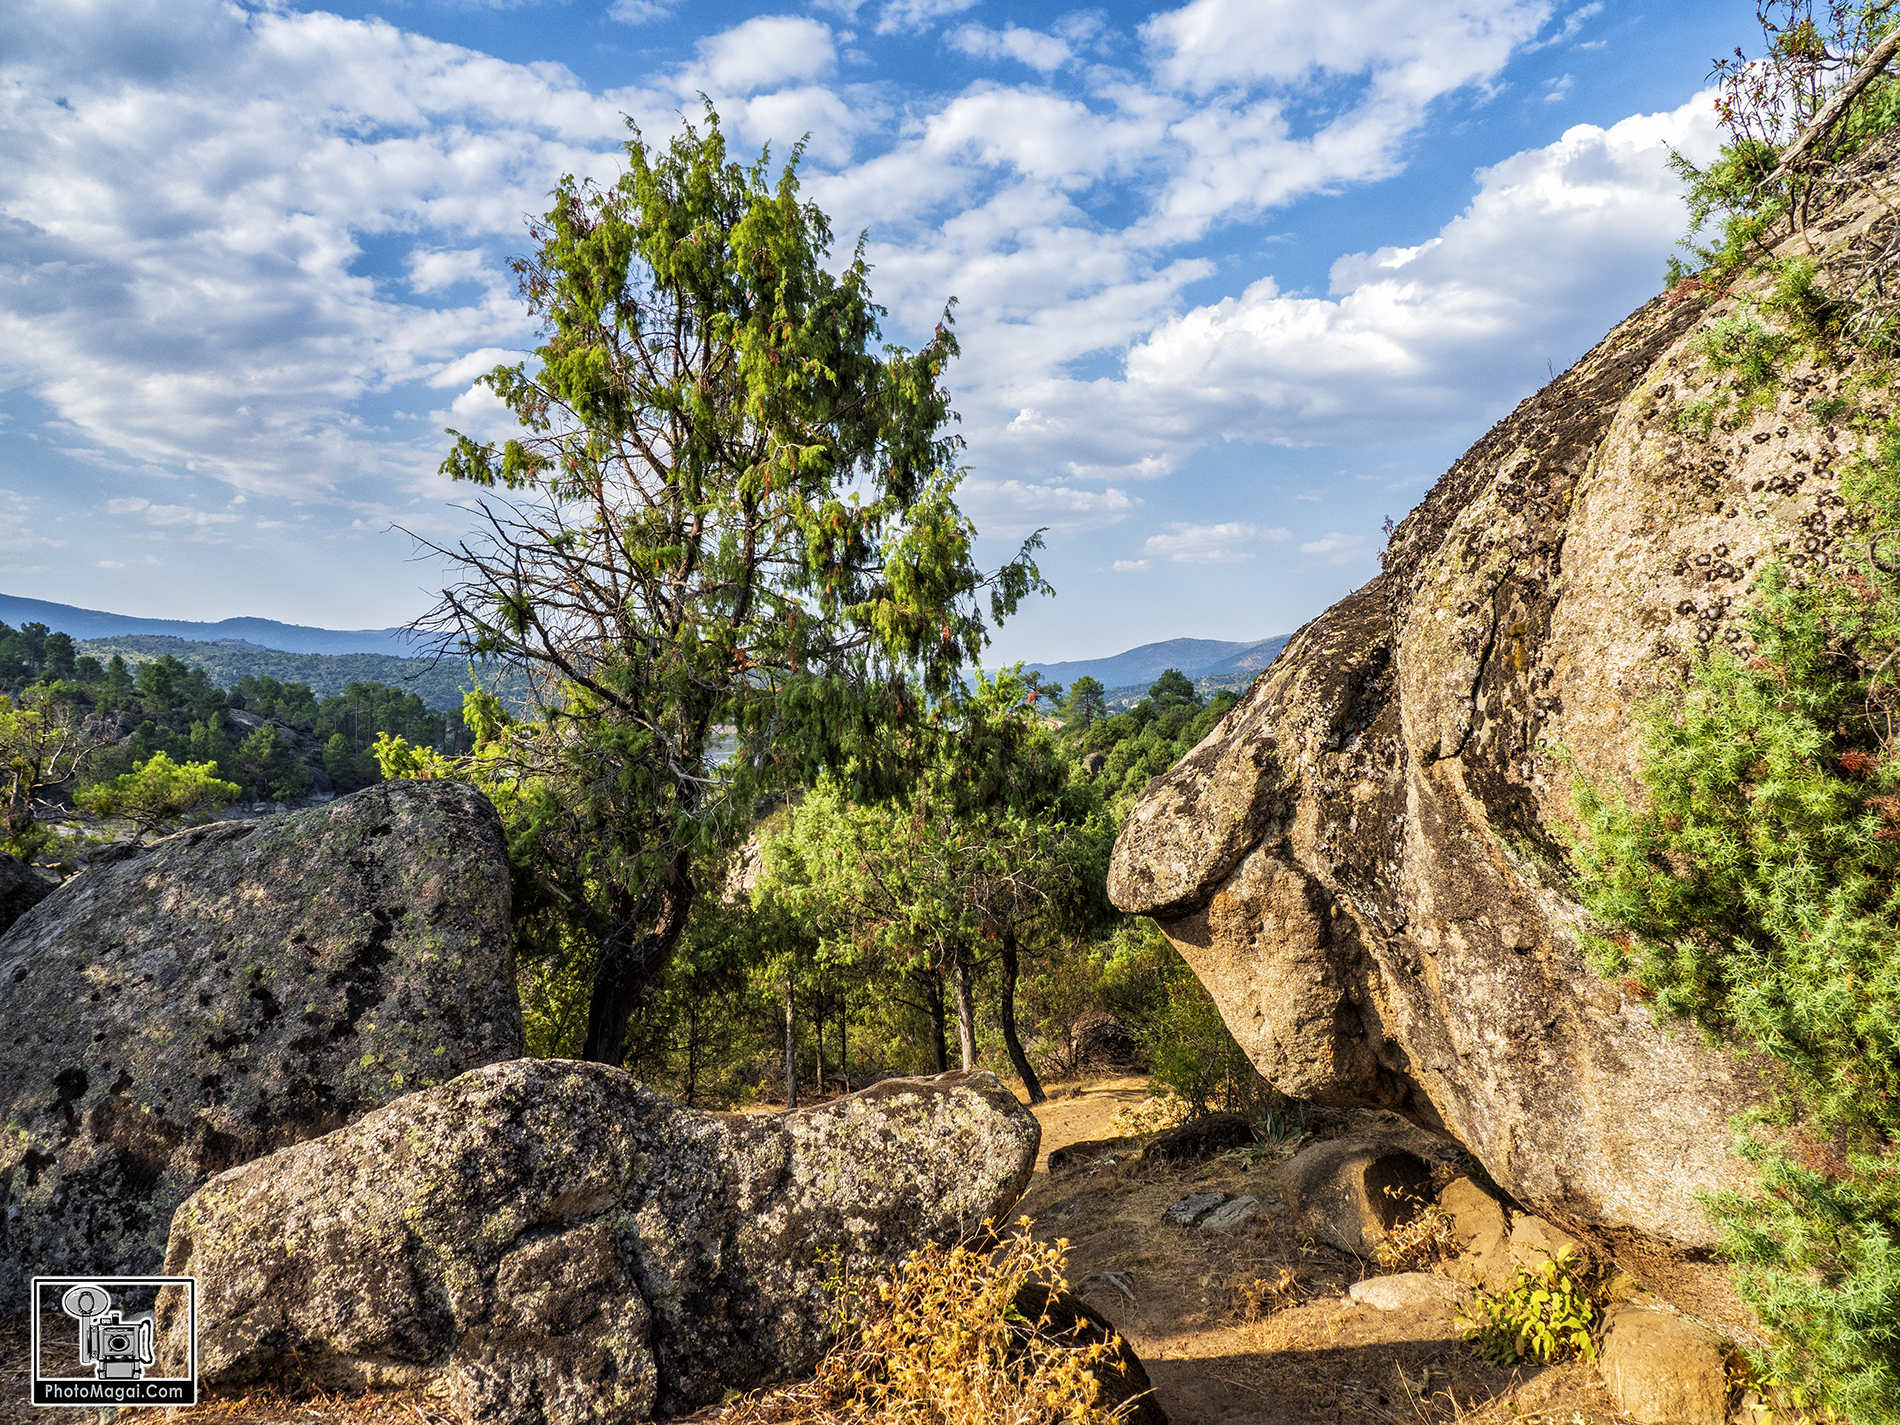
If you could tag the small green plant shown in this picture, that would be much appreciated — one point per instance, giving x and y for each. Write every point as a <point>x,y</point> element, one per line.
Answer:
<point>1741,344</point>
<point>1547,1315</point>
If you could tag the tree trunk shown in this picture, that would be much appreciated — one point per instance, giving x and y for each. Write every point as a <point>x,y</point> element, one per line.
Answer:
<point>1031,1083</point>
<point>818,1039</point>
<point>629,964</point>
<point>966,1012</point>
<point>844,1038</point>
<point>931,984</point>
<point>791,1050</point>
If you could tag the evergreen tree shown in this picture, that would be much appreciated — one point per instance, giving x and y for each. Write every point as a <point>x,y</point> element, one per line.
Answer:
<point>730,506</point>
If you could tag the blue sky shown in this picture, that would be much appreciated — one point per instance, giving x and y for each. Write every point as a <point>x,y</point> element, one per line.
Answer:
<point>1236,279</point>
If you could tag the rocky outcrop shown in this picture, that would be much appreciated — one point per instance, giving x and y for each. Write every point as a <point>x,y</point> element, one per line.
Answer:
<point>21,888</point>
<point>173,1012</point>
<point>1365,860</point>
<point>549,1240</point>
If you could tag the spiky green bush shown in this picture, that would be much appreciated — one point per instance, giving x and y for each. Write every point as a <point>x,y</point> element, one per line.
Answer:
<point>1755,891</point>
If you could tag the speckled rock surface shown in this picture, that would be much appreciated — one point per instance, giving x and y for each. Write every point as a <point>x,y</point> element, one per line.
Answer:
<point>548,1239</point>
<point>231,990</point>
<point>1364,861</point>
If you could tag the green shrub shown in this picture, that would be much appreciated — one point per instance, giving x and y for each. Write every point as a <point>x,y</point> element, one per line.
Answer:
<point>1546,1316</point>
<point>1756,892</point>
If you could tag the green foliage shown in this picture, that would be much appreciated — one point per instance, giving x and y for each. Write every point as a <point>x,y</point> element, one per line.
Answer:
<point>1147,740</point>
<point>1192,1053</point>
<point>728,504</point>
<point>42,747</point>
<point>1755,891</point>
<point>1087,704</point>
<point>160,792</point>
<point>1764,103</point>
<point>1546,1316</point>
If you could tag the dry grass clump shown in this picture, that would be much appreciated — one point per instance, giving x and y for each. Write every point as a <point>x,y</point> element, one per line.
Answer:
<point>1418,1245</point>
<point>943,1343</point>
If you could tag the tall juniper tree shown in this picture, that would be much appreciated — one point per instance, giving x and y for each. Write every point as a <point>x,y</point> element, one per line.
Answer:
<point>728,505</point>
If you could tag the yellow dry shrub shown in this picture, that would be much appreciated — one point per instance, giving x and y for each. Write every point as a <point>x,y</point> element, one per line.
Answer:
<point>1418,1245</point>
<point>942,1343</point>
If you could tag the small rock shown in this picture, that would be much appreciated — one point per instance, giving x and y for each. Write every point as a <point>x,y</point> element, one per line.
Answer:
<point>1534,1242</point>
<point>1483,1234</point>
<point>1663,1370</point>
<point>1200,1138</point>
<point>1192,1208</point>
<point>1408,1291</point>
<point>1228,1216</point>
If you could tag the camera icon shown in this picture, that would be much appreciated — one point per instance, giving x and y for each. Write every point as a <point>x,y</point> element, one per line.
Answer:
<point>115,1348</point>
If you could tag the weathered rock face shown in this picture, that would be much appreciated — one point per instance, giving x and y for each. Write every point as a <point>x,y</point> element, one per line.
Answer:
<point>21,888</point>
<point>1364,861</point>
<point>231,990</point>
<point>547,1238</point>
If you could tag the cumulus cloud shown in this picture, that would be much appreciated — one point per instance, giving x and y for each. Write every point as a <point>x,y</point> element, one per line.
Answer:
<point>1039,51</point>
<point>1408,342</point>
<point>764,52</point>
<point>1012,508</point>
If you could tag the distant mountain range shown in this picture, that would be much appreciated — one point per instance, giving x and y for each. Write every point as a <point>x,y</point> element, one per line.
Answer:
<point>1196,657</point>
<point>329,658</point>
<point>258,632</point>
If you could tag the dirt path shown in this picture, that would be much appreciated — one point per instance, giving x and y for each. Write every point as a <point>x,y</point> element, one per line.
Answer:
<point>1255,1325</point>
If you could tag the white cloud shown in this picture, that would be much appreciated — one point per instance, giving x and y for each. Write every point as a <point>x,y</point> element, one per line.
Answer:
<point>762,53</point>
<point>1131,566</point>
<point>1012,508</point>
<point>1559,88</point>
<point>900,15</point>
<point>437,269</point>
<point>1337,548</point>
<point>1232,543</point>
<point>1031,47</point>
<point>640,12</point>
<point>167,516</point>
<point>214,173</point>
<point>1410,341</point>
<point>1573,22</point>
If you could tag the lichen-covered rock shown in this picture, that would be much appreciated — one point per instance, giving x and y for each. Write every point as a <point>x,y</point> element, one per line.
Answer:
<point>231,990</point>
<point>21,888</point>
<point>1365,860</point>
<point>547,1239</point>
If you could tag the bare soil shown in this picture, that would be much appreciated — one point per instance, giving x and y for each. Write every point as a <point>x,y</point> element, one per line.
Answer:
<point>1251,1327</point>
<point>1254,1327</point>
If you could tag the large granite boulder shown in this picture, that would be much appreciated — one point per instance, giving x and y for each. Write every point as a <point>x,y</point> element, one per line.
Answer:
<point>1365,860</point>
<point>548,1240</point>
<point>231,990</point>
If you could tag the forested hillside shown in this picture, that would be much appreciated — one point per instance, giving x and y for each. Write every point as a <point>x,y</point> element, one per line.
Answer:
<point>438,684</point>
